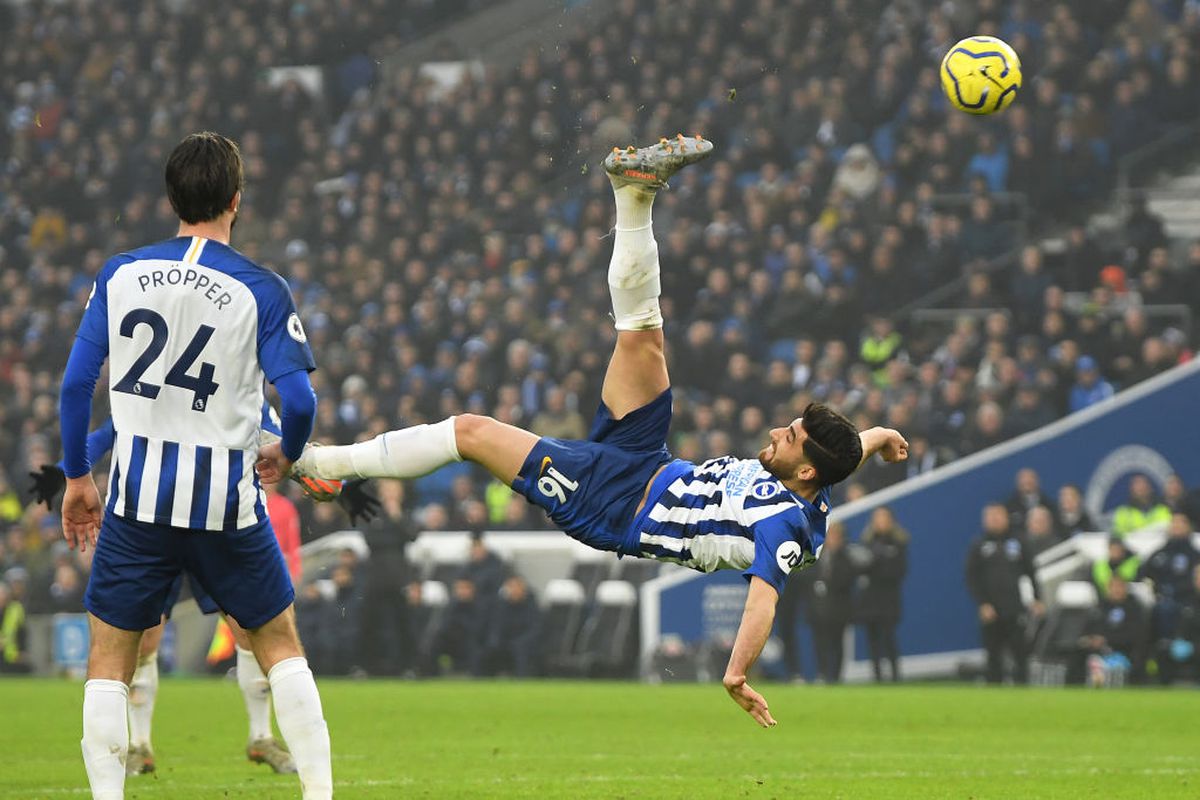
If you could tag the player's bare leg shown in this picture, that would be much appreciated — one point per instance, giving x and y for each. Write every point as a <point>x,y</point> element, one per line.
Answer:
<point>262,747</point>
<point>276,645</point>
<point>143,691</point>
<point>111,661</point>
<point>637,372</point>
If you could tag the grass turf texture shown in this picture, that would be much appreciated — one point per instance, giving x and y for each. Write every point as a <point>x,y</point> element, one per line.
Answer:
<point>577,740</point>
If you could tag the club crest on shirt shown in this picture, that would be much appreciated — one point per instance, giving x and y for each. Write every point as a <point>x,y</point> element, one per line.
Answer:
<point>765,490</point>
<point>295,329</point>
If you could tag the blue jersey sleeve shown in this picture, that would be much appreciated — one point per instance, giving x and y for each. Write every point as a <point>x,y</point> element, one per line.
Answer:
<point>777,552</point>
<point>75,404</point>
<point>94,325</point>
<point>282,344</point>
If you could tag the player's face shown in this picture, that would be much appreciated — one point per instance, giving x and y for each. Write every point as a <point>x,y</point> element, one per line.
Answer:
<point>783,455</point>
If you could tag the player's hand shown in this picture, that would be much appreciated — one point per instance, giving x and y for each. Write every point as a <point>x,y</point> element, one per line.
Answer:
<point>1037,608</point>
<point>987,613</point>
<point>895,448</point>
<point>81,512</point>
<point>48,482</point>
<point>358,502</point>
<point>751,701</point>
<point>272,465</point>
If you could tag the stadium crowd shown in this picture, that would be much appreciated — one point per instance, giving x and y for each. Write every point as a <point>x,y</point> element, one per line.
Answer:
<point>447,243</point>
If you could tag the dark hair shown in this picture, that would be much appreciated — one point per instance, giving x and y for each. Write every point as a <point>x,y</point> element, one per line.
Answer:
<point>832,446</point>
<point>203,174</point>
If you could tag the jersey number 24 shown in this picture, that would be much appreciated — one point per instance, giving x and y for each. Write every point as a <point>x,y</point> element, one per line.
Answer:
<point>201,385</point>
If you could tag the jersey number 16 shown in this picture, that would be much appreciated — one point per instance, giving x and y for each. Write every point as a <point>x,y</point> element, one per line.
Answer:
<point>201,385</point>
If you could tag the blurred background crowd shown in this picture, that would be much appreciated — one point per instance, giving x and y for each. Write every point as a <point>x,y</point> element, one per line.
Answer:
<point>447,245</point>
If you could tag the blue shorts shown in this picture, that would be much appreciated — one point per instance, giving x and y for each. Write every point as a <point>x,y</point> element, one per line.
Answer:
<point>201,597</point>
<point>136,563</point>
<point>591,489</point>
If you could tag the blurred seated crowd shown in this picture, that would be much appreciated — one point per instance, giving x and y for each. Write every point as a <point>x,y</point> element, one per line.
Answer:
<point>1119,618</point>
<point>447,244</point>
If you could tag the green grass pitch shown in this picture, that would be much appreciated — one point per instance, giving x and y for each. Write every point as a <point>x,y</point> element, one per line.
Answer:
<point>578,740</point>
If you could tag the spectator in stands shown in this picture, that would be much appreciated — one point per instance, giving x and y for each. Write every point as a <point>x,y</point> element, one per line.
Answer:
<point>513,633</point>
<point>346,633</point>
<point>484,569</point>
<point>1070,515</point>
<point>1178,656</point>
<point>457,645</point>
<point>1141,510</point>
<point>13,648</point>
<point>1170,570</point>
<point>385,646</point>
<point>1089,387</point>
<point>316,621</point>
<point>879,596</point>
<point>1116,637</point>
<point>1029,412</point>
<point>787,626</point>
<point>1177,498</point>
<point>996,562</point>
<point>829,602</point>
<point>1039,531</point>
<point>1120,562</point>
<point>1027,494</point>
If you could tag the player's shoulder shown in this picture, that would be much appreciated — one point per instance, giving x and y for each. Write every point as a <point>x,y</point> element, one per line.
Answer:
<point>165,250</point>
<point>266,284</point>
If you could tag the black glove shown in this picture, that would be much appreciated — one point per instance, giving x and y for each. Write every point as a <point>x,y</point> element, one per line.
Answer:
<point>48,483</point>
<point>358,502</point>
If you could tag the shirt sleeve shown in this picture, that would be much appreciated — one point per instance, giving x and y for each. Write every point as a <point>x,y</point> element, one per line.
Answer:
<point>776,550</point>
<point>94,325</point>
<point>282,343</point>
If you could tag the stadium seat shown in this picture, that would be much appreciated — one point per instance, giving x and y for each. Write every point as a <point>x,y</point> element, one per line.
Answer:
<point>425,619</point>
<point>1058,640</point>
<point>590,574</point>
<point>638,570</point>
<point>607,640</point>
<point>562,611</point>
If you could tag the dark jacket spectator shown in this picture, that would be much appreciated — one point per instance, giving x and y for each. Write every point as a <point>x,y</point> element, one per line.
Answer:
<point>1118,627</point>
<point>1070,515</point>
<point>828,604</point>
<point>514,631</point>
<point>996,562</point>
<point>879,596</point>
<point>1171,566</point>
<point>1027,494</point>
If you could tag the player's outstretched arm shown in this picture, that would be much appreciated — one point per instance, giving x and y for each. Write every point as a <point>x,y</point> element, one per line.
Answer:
<point>757,619</point>
<point>885,441</point>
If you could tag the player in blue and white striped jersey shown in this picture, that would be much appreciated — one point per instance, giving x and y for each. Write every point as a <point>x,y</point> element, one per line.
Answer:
<point>621,490</point>
<point>190,328</point>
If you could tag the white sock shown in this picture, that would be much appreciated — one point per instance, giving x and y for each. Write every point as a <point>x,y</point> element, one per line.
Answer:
<point>406,453</point>
<point>298,712</point>
<point>143,690</point>
<point>633,279</point>
<point>105,737</point>
<point>256,691</point>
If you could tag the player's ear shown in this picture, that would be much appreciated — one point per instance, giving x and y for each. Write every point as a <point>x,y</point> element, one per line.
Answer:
<point>806,473</point>
<point>236,202</point>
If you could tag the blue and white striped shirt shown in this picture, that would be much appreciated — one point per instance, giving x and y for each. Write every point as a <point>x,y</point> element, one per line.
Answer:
<point>729,513</point>
<point>191,328</point>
